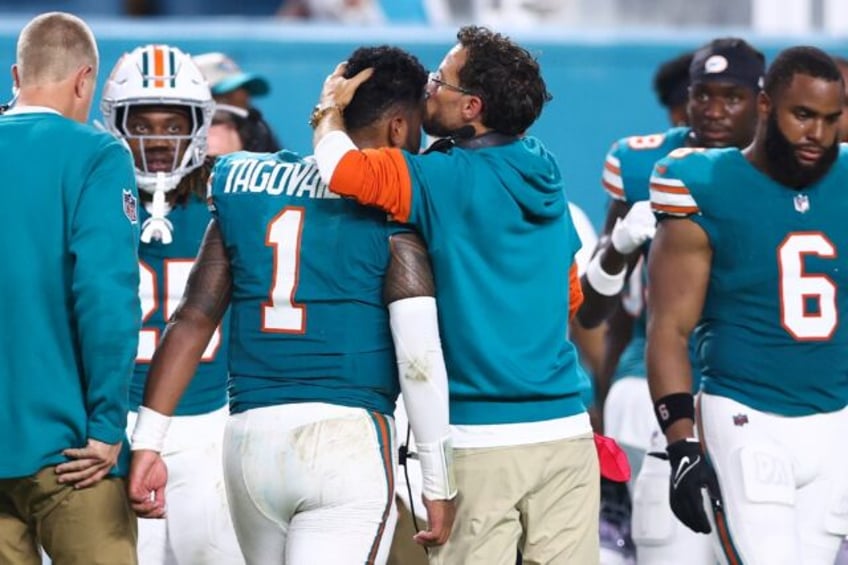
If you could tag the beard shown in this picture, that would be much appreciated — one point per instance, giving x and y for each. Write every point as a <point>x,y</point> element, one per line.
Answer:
<point>784,165</point>
<point>434,127</point>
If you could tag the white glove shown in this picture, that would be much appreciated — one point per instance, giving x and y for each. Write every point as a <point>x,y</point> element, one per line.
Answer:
<point>637,227</point>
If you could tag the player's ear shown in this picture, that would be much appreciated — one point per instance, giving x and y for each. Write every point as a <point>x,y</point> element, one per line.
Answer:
<point>398,131</point>
<point>16,76</point>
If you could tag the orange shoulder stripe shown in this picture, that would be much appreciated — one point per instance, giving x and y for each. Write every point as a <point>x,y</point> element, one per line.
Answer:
<point>376,177</point>
<point>675,209</point>
<point>612,168</point>
<point>612,188</point>
<point>575,292</point>
<point>670,189</point>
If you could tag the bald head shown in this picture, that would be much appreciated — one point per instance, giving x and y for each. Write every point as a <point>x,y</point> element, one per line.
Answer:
<point>52,47</point>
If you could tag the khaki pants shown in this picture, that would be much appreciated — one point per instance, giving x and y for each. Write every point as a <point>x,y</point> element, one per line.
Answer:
<point>541,498</point>
<point>90,526</point>
<point>404,550</point>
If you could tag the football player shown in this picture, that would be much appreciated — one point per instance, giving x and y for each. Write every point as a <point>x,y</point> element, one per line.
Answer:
<point>159,104</point>
<point>310,448</point>
<point>748,259</point>
<point>725,76</point>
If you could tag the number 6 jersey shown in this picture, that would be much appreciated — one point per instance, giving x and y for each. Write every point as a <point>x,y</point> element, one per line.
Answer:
<point>308,322</point>
<point>770,334</point>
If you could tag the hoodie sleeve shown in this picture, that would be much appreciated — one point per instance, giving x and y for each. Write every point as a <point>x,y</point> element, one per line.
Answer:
<point>374,177</point>
<point>104,247</point>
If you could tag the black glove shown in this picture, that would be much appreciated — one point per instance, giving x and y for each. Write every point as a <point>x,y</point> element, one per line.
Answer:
<point>690,472</point>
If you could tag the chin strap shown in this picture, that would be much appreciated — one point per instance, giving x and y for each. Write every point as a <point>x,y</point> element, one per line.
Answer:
<point>157,226</point>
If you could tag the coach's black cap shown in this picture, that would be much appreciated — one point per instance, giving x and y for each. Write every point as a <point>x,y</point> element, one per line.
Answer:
<point>728,59</point>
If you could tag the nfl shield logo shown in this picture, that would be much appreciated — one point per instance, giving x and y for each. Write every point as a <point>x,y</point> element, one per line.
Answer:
<point>130,206</point>
<point>802,203</point>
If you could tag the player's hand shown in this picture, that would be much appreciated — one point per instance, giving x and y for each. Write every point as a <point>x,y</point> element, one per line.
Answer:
<point>690,473</point>
<point>338,90</point>
<point>440,516</point>
<point>637,227</point>
<point>146,488</point>
<point>88,464</point>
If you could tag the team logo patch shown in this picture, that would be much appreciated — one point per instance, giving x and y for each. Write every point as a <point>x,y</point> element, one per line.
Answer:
<point>802,203</point>
<point>715,64</point>
<point>740,420</point>
<point>130,206</point>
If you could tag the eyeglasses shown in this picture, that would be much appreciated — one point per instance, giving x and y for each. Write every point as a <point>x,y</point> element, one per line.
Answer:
<point>435,79</point>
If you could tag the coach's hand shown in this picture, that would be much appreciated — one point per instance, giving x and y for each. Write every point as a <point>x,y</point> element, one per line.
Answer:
<point>690,473</point>
<point>440,516</point>
<point>146,488</point>
<point>338,90</point>
<point>88,464</point>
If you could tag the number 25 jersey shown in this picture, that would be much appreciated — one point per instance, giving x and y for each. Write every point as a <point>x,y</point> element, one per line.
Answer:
<point>771,334</point>
<point>308,323</point>
<point>164,271</point>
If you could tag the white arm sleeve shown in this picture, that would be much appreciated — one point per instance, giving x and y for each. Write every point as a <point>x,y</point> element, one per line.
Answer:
<point>330,151</point>
<point>424,384</point>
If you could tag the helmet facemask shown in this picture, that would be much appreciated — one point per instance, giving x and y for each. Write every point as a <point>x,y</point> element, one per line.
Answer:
<point>159,78</point>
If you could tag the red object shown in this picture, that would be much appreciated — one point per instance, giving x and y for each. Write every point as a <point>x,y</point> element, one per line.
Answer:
<point>613,461</point>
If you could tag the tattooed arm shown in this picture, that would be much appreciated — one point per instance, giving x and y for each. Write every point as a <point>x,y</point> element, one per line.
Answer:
<point>204,302</point>
<point>409,292</point>
<point>409,273</point>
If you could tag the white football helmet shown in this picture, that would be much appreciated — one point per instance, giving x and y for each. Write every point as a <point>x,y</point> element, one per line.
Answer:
<point>159,75</point>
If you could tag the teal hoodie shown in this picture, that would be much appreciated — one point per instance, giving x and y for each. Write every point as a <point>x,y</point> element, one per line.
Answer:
<point>69,307</point>
<point>501,241</point>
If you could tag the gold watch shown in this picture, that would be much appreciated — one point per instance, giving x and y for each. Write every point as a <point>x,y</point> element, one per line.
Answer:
<point>319,112</point>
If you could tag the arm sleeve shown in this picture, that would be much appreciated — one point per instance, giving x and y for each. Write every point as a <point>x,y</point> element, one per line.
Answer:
<point>424,384</point>
<point>104,246</point>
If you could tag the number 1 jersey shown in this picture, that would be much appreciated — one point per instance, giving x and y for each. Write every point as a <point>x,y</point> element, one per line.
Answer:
<point>308,323</point>
<point>770,334</point>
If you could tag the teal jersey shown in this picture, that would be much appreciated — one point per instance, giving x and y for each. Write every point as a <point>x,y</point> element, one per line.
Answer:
<point>307,318</point>
<point>69,308</point>
<point>498,227</point>
<point>163,271</point>
<point>627,177</point>
<point>770,334</point>
<point>630,160</point>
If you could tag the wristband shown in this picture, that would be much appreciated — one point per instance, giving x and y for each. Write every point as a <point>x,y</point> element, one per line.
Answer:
<point>603,282</point>
<point>437,473</point>
<point>150,430</point>
<point>674,407</point>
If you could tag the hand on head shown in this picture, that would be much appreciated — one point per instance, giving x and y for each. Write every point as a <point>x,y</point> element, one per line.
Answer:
<point>338,91</point>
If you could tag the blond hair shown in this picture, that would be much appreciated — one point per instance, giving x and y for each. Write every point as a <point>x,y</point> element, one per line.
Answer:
<point>52,47</point>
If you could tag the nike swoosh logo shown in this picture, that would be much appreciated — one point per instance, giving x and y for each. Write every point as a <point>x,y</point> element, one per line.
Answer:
<point>683,469</point>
